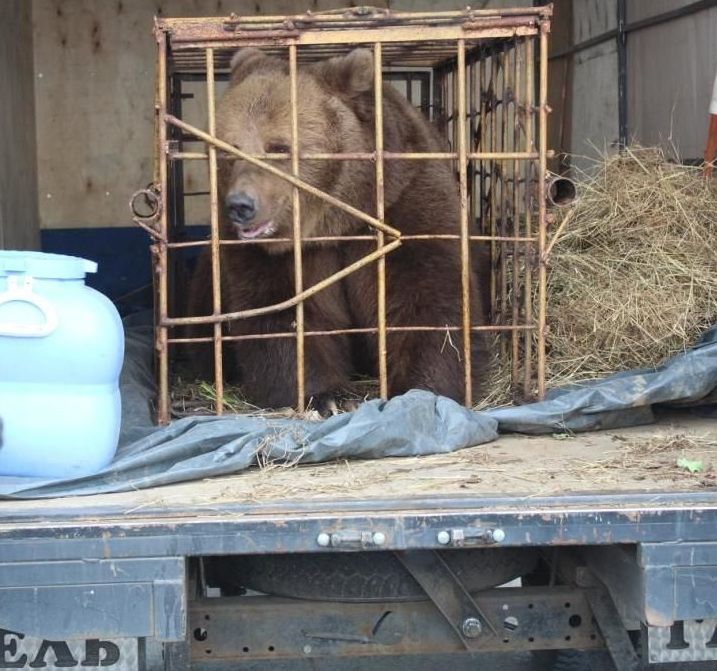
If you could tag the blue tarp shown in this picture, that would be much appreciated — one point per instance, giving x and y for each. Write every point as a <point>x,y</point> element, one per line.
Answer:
<point>417,423</point>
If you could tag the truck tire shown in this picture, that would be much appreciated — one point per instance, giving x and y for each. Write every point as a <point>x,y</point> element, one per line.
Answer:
<point>361,576</point>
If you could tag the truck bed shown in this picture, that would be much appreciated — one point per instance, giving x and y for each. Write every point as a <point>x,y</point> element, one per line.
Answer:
<point>540,490</point>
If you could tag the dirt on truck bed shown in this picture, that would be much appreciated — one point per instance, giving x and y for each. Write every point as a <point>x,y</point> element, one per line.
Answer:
<point>678,454</point>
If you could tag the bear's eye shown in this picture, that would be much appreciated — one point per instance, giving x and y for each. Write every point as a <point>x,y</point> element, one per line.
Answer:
<point>277,148</point>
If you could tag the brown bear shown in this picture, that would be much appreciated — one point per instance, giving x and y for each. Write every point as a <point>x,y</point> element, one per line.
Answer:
<point>335,115</point>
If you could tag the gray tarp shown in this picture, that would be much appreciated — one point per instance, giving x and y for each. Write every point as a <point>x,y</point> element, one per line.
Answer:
<point>416,423</point>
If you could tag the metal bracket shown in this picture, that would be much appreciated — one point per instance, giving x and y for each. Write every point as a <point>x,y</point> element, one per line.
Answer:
<point>448,594</point>
<point>617,640</point>
<point>470,537</point>
<point>351,539</point>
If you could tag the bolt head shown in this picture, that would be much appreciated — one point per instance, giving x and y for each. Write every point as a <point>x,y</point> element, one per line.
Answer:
<point>498,535</point>
<point>324,540</point>
<point>443,537</point>
<point>471,627</point>
<point>379,538</point>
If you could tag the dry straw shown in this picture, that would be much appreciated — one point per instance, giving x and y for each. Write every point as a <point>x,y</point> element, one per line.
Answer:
<point>633,277</point>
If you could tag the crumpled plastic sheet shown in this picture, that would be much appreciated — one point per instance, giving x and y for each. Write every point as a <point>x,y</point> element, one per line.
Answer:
<point>416,423</point>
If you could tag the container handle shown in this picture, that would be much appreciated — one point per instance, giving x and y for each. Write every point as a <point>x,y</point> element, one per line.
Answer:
<point>23,293</point>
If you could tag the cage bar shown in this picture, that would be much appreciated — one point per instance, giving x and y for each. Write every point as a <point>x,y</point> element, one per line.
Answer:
<point>214,227</point>
<point>160,247</point>
<point>380,214</point>
<point>465,242</point>
<point>296,230</point>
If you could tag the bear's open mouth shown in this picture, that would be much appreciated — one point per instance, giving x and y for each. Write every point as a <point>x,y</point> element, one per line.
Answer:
<point>261,230</point>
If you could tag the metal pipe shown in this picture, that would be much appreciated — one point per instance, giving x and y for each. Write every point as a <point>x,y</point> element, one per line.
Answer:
<point>215,249</point>
<point>516,214</point>
<point>163,409</point>
<point>371,156</point>
<point>542,223</point>
<point>296,231</point>
<point>350,238</point>
<point>465,233</point>
<point>528,204</point>
<point>354,331</point>
<point>622,72</point>
<point>562,191</point>
<point>219,144</point>
<point>380,196</point>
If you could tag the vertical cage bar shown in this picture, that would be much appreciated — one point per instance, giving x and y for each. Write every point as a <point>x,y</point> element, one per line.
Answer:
<point>482,165</point>
<point>529,116</point>
<point>492,101</point>
<point>161,246</point>
<point>465,233</point>
<point>501,171</point>
<point>516,212</point>
<point>542,219</point>
<point>215,247</point>
<point>296,234</point>
<point>471,141</point>
<point>381,263</point>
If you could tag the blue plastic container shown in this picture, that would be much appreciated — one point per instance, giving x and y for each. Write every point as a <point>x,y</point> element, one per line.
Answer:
<point>61,352</point>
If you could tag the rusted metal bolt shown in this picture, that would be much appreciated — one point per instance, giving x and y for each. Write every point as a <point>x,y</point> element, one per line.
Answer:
<point>471,627</point>
<point>324,540</point>
<point>443,537</point>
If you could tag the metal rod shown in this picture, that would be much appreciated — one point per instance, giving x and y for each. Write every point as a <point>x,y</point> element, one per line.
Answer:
<point>542,223</point>
<point>352,331</point>
<point>296,231</point>
<point>380,195</point>
<point>291,302</point>
<point>364,156</point>
<point>215,249</point>
<point>622,72</point>
<point>491,100</point>
<point>504,201</point>
<point>516,212</point>
<point>528,200</point>
<point>350,238</point>
<point>163,409</point>
<point>219,144</point>
<point>465,233</point>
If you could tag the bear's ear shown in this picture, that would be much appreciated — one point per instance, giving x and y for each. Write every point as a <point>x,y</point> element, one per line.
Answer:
<point>245,61</point>
<point>348,75</point>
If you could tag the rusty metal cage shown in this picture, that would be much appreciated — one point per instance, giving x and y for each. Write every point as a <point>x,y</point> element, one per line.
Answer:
<point>482,78</point>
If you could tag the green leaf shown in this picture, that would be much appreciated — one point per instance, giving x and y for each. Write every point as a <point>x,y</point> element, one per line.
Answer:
<point>690,465</point>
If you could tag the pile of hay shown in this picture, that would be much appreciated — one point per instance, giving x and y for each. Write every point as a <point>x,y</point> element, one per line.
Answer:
<point>633,277</point>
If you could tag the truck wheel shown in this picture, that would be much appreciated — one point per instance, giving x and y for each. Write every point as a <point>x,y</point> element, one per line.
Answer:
<point>361,576</point>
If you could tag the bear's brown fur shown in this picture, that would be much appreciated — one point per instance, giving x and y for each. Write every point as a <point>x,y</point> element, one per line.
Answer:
<point>336,114</point>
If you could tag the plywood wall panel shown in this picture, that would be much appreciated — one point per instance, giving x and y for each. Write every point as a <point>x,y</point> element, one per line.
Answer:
<point>18,182</point>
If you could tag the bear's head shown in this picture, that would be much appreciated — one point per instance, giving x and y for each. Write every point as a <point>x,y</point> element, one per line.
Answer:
<point>254,115</point>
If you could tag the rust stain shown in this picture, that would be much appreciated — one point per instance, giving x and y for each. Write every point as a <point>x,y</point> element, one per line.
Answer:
<point>96,37</point>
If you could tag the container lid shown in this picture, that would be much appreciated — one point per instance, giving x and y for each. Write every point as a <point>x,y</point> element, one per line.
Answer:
<point>45,266</point>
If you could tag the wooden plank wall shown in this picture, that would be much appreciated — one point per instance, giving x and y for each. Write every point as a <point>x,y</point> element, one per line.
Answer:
<point>18,172</point>
<point>94,80</point>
